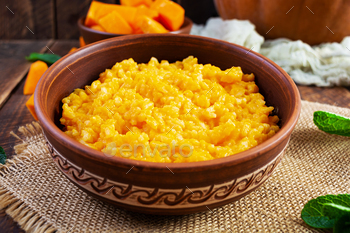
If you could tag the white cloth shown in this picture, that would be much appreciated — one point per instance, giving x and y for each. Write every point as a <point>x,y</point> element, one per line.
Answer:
<point>240,32</point>
<point>326,64</point>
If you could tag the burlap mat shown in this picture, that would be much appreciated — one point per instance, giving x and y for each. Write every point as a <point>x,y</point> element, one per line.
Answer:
<point>41,199</point>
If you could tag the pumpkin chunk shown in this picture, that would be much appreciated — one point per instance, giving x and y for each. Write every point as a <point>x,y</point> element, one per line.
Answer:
<point>81,41</point>
<point>37,69</point>
<point>72,49</point>
<point>144,10</point>
<point>91,18</point>
<point>98,10</point>
<point>149,25</point>
<point>141,11</point>
<point>136,2</point>
<point>115,23</point>
<point>30,106</point>
<point>98,28</point>
<point>171,14</point>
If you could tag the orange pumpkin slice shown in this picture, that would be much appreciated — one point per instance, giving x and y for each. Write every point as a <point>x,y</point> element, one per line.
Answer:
<point>72,49</point>
<point>98,10</point>
<point>148,25</point>
<point>36,70</point>
<point>115,23</point>
<point>136,2</point>
<point>97,28</point>
<point>30,106</point>
<point>81,41</point>
<point>141,11</point>
<point>171,14</point>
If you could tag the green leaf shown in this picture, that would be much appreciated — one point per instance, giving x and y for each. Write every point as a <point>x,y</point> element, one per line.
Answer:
<point>316,216</point>
<point>342,225</point>
<point>3,156</point>
<point>313,216</point>
<point>335,211</point>
<point>341,214</point>
<point>45,57</point>
<point>332,123</point>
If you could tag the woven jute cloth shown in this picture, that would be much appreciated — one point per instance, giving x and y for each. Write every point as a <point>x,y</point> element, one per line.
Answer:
<point>41,199</point>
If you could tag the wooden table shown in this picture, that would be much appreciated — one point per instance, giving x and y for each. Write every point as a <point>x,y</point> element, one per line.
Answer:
<point>13,112</point>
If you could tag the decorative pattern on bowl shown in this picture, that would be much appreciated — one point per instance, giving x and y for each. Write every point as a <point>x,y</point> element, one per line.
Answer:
<point>162,198</point>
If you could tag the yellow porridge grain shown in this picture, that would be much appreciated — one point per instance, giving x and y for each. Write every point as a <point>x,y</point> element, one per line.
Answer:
<point>169,112</point>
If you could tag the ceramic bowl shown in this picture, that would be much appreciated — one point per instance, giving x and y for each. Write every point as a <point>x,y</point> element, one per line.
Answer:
<point>91,35</point>
<point>164,188</point>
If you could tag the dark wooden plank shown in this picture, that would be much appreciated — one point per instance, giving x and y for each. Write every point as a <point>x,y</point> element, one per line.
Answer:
<point>16,16</point>
<point>44,19</point>
<point>13,64</point>
<point>7,224</point>
<point>337,96</point>
<point>198,10</point>
<point>13,114</point>
<point>62,47</point>
<point>68,12</point>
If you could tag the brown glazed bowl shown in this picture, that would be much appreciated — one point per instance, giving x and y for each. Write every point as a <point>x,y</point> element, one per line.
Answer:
<point>91,35</point>
<point>164,188</point>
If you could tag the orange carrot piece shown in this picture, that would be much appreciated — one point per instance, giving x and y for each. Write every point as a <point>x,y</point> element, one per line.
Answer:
<point>171,14</point>
<point>81,41</point>
<point>98,10</point>
<point>115,23</point>
<point>36,70</point>
<point>149,25</point>
<point>136,2</point>
<point>30,106</point>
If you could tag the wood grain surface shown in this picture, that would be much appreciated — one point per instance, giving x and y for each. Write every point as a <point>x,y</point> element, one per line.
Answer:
<point>337,96</point>
<point>14,113</point>
<point>68,13</point>
<point>42,19</point>
<point>27,19</point>
<point>13,64</point>
<point>7,224</point>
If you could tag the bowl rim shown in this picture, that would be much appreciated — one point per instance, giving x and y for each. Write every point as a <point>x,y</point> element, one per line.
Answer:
<point>187,24</point>
<point>98,156</point>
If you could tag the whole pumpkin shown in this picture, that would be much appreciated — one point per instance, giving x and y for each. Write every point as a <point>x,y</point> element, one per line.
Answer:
<point>312,21</point>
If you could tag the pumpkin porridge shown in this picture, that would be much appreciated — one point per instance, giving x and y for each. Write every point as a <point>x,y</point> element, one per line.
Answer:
<point>169,112</point>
